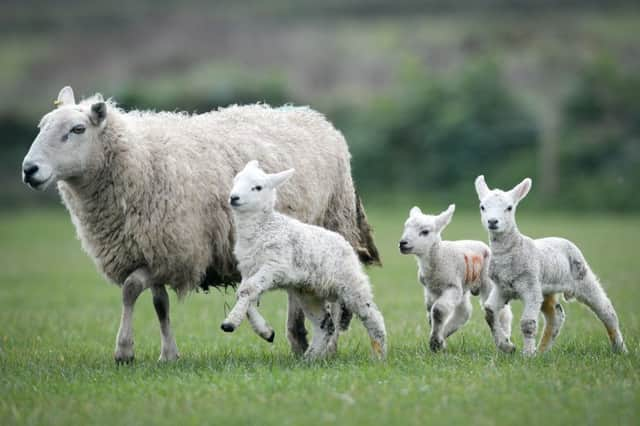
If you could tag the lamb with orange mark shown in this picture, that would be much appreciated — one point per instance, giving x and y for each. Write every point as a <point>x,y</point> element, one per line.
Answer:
<point>450,272</point>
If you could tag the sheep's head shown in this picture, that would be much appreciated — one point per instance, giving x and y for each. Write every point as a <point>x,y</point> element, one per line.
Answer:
<point>255,190</point>
<point>497,207</point>
<point>422,231</point>
<point>68,142</point>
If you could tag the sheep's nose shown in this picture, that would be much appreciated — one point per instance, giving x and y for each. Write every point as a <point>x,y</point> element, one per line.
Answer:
<point>233,200</point>
<point>29,169</point>
<point>403,243</point>
<point>493,223</point>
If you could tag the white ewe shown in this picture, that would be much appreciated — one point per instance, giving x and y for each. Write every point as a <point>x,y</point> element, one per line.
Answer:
<point>449,271</point>
<point>316,266</point>
<point>147,193</point>
<point>536,271</point>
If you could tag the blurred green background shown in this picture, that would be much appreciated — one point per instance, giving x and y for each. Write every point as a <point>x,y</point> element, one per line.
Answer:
<point>429,94</point>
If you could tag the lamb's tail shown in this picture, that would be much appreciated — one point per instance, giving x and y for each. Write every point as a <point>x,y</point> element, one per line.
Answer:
<point>367,250</point>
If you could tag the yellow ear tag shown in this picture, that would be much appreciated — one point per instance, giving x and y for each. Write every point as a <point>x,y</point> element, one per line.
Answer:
<point>57,103</point>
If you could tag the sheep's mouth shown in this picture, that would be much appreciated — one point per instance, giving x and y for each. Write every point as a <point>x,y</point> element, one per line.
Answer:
<point>38,185</point>
<point>406,249</point>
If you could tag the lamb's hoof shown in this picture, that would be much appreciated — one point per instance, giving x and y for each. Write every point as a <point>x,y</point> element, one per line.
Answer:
<point>272,337</point>
<point>168,357</point>
<point>529,353</point>
<point>436,344</point>
<point>507,347</point>
<point>227,327</point>
<point>620,349</point>
<point>124,357</point>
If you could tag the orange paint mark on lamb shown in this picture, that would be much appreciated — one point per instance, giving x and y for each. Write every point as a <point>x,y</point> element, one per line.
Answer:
<point>473,267</point>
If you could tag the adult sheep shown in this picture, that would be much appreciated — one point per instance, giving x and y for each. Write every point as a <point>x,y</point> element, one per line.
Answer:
<point>147,193</point>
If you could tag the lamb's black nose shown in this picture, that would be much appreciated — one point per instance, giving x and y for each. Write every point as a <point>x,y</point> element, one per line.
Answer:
<point>29,169</point>
<point>493,223</point>
<point>403,243</point>
<point>233,200</point>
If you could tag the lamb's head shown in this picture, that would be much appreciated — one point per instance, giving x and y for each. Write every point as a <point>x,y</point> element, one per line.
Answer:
<point>497,207</point>
<point>254,190</point>
<point>68,142</point>
<point>422,231</point>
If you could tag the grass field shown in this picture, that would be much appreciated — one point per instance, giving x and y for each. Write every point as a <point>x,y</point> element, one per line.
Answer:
<point>59,319</point>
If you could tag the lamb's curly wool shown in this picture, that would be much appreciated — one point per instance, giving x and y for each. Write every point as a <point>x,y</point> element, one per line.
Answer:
<point>147,191</point>
<point>537,272</point>
<point>313,264</point>
<point>449,271</point>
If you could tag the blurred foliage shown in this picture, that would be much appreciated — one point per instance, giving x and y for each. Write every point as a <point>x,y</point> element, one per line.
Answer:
<point>600,140</point>
<point>438,134</point>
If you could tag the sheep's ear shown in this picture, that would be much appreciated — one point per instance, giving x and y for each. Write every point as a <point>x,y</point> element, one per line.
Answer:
<point>98,113</point>
<point>481,187</point>
<point>520,190</point>
<point>278,179</point>
<point>65,97</point>
<point>415,211</point>
<point>444,218</point>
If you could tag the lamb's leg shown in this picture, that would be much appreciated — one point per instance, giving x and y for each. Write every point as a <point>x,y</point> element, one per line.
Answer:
<point>168,348</point>
<point>441,311</point>
<point>429,300</point>
<point>259,324</point>
<point>360,302</point>
<point>553,319</point>
<point>591,294</point>
<point>505,316</point>
<point>532,301</point>
<point>324,327</point>
<point>296,331</point>
<point>459,317</point>
<point>136,283</point>
<point>493,307</point>
<point>248,294</point>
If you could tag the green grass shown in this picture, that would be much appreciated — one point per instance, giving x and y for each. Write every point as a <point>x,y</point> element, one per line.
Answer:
<point>59,320</point>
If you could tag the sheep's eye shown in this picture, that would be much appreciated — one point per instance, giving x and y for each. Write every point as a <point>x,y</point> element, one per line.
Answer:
<point>257,188</point>
<point>509,208</point>
<point>424,232</point>
<point>482,208</point>
<point>78,130</point>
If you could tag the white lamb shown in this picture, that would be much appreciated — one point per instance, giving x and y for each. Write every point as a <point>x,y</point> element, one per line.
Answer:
<point>536,271</point>
<point>313,264</point>
<point>449,272</point>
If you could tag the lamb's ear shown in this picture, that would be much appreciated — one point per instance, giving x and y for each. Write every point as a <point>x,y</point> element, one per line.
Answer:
<point>481,187</point>
<point>278,179</point>
<point>415,211</point>
<point>65,97</point>
<point>444,218</point>
<point>520,190</point>
<point>98,113</point>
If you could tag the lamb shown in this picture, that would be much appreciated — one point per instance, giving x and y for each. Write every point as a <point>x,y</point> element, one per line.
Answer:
<point>312,264</point>
<point>450,272</point>
<point>147,193</point>
<point>537,272</point>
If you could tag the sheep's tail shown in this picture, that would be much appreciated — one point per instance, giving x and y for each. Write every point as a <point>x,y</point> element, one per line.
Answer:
<point>367,251</point>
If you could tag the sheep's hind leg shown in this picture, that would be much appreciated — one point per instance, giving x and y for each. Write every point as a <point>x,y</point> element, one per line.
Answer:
<point>296,331</point>
<point>136,283</point>
<point>553,319</point>
<point>460,316</point>
<point>168,347</point>
<point>591,294</point>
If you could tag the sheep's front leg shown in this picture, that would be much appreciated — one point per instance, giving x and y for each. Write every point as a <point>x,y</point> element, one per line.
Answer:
<point>494,307</point>
<point>440,312</point>
<point>168,347</point>
<point>532,301</point>
<point>259,324</point>
<point>136,283</point>
<point>429,300</point>
<point>248,294</point>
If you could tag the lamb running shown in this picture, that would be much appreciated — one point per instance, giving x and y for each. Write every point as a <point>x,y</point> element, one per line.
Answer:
<point>536,271</point>
<point>313,264</point>
<point>449,272</point>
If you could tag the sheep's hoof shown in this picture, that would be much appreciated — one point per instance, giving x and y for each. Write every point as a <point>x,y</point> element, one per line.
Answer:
<point>507,347</point>
<point>227,327</point>
<point>123,357</point>
<point>272,337</point>
<point>436,344</point>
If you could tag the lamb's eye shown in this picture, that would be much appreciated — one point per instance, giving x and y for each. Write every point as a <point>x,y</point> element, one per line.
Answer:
<point>482,208</point>
<point>509,208</point>
<point>257,188</point>
<point>424,232</point>
<point>78,130</point>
